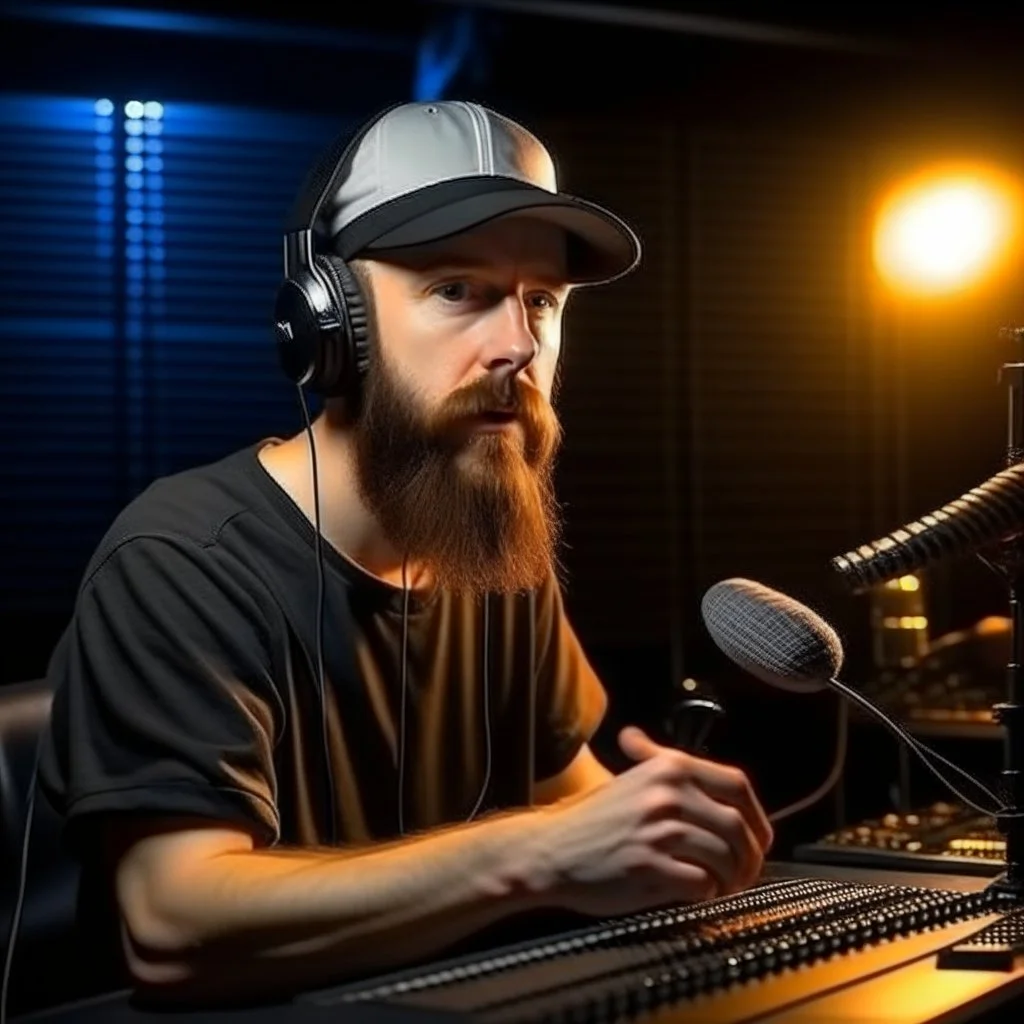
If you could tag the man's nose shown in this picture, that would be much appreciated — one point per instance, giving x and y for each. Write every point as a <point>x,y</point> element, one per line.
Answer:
<point>511,343</point>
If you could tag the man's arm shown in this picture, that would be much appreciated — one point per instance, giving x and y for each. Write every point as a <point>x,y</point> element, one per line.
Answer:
<point>206,915</point>
<point>582,774</point>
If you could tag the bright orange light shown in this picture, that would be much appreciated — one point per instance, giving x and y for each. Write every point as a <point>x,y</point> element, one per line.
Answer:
<point>944,229</point>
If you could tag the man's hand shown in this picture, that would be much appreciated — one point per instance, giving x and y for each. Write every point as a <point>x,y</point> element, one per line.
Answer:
<point>717,799</point>
<point>673,828</point>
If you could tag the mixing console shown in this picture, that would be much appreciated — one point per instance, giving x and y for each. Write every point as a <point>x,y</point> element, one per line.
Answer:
<point>995,947</point>
<point>942,837</point>
<point>732,958</point>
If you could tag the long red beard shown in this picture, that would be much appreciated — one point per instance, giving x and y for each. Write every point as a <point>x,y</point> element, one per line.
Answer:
<point>478,508</point>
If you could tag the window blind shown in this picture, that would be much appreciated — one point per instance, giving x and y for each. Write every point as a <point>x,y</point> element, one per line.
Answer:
<point>140,245</point>
<point>228,180</point>
<point>58,315</point>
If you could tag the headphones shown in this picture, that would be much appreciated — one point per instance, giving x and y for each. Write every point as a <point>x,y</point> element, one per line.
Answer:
<point>320,313</point>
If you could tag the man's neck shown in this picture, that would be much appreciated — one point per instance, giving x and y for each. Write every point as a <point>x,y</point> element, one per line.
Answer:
<point>345,521</point>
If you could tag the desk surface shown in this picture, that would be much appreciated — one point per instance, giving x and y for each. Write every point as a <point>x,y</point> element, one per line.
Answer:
<point>981,989</point>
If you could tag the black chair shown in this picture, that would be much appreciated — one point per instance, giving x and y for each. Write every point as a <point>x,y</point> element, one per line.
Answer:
<point>48,964</point>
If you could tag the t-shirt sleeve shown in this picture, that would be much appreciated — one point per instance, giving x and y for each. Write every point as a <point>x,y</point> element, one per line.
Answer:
<point>164,700</point>
<point>571,702</point>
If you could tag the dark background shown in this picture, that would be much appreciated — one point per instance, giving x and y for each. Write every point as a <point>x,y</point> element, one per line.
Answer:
<point>750,402</point>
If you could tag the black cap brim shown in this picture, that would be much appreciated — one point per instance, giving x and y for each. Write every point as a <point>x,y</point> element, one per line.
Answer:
<point>602,246</point>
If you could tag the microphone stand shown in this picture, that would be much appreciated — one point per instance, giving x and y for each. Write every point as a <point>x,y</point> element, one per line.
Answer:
<point>1008,562</point>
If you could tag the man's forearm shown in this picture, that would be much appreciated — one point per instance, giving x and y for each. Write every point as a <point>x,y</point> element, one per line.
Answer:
<point>257,922</point>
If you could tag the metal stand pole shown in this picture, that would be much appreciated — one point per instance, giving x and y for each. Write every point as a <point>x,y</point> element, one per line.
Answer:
<point>1008,561</point>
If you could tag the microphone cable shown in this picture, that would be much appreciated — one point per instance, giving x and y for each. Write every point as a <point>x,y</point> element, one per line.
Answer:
<point>927,755</point>
<point>835,773</point>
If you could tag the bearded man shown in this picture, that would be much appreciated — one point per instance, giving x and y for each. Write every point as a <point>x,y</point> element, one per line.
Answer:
<point>319,711</point>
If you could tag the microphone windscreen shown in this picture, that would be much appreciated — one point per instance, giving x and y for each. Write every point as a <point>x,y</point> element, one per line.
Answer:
<point>778,640</point>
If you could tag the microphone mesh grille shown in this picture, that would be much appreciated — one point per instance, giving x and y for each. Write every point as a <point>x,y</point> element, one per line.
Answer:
<point>775,638</point>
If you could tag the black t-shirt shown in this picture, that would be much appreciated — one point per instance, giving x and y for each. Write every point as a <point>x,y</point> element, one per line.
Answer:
<point>186,684</point>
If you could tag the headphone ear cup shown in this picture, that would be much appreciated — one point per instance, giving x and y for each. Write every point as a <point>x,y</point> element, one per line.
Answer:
<point>297,328</point>
<point>342,366</point>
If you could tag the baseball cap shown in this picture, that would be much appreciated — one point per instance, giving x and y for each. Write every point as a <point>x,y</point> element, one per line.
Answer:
<point>421,172</point>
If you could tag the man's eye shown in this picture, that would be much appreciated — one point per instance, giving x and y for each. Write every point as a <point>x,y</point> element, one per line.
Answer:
<point>455,291</point>
<point>543,300</point>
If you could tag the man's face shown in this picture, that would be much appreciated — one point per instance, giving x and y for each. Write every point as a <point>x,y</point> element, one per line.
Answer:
<point>456,436</point>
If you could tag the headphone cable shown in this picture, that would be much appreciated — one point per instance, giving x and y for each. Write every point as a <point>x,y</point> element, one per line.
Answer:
<point>405,684</point>
<point>531,699</point>
<point>487,708</point>
<point>402,728</point>
<point>320,588</point>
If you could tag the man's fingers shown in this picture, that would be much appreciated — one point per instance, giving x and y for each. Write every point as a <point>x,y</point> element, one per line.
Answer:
<point>636,744</point>
<point>718,799</point>
<point>683,880</point>
<point>728,785</point>
<point>732,826</point>
<point>688,843</point>
<point>722,782</point>
<point>712,835</point>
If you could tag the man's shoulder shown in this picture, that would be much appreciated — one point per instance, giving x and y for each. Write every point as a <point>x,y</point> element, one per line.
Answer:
<point>191,507</point>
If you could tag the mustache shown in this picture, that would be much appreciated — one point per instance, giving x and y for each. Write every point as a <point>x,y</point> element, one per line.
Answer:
<point>487,395</point>
<point>508,396</point>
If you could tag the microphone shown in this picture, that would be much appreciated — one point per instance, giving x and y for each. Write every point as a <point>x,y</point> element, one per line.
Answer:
<point>785,644</point>
<point>991,512</point>
<point>771,636</point>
